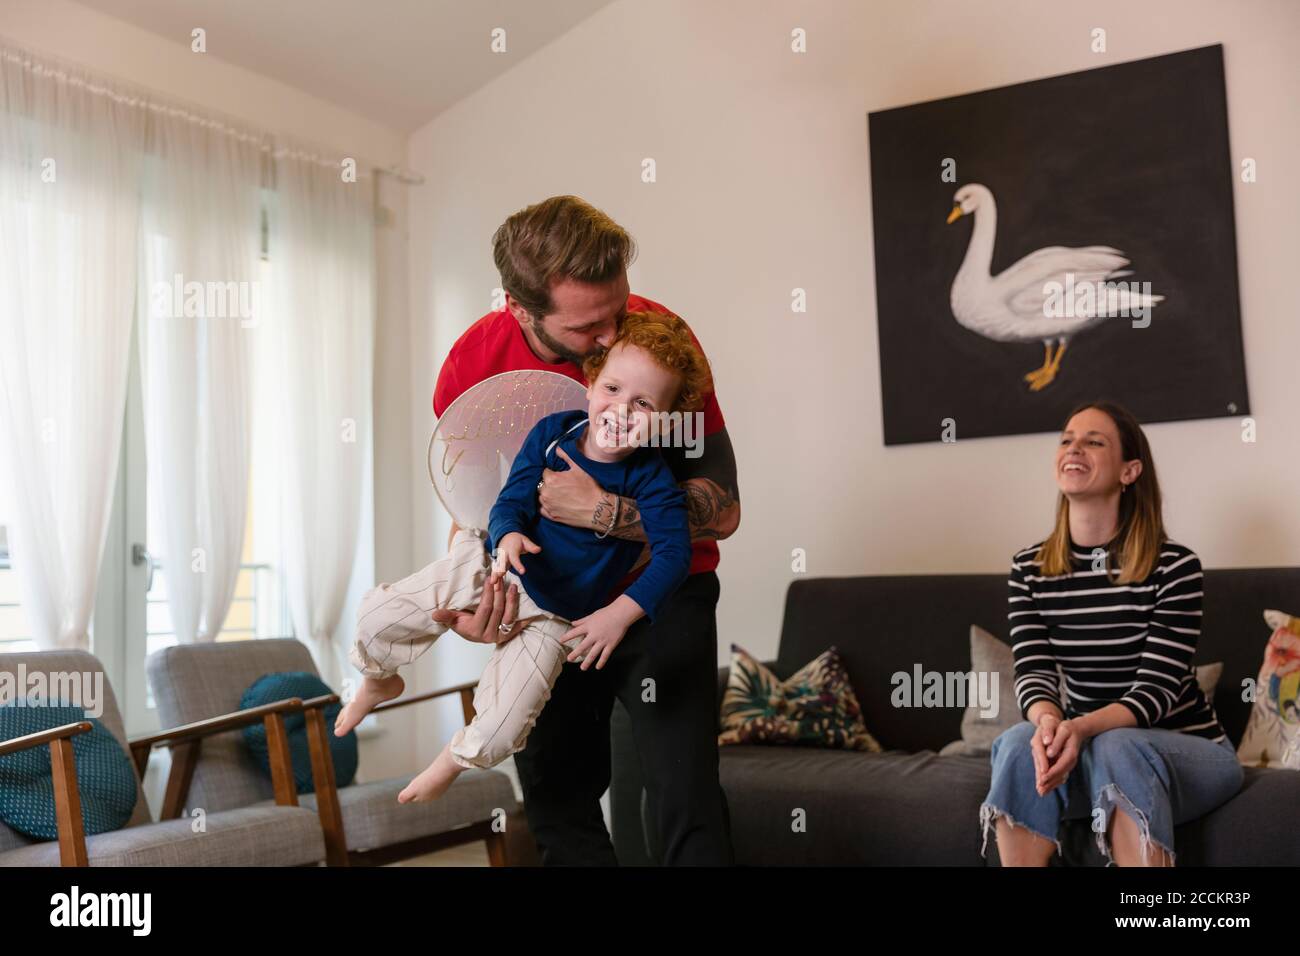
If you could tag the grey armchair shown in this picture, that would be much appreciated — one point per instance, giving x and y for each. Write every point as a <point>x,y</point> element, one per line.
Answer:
<point>276,834</point>
<point>362,824</point>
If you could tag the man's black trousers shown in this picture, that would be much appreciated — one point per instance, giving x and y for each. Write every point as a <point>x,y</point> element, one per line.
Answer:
<point>665,674</point>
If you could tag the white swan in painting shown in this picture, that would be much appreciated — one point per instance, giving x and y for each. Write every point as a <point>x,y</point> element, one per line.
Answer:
<point>1013,306</point>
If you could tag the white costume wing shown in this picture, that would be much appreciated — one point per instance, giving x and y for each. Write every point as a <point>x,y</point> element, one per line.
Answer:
<point>477,438</point>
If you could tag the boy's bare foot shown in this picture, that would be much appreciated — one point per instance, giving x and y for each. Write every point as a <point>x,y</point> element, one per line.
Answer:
<point>434,780</point>
<point>372,693</point>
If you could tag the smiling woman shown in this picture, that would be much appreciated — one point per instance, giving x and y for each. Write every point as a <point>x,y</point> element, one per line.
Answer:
<point>1115,606</point>
<point>1104,450</point>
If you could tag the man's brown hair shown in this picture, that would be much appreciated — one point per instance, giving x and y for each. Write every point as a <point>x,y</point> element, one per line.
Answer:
<point>558,238</point>
<point>669,342</point>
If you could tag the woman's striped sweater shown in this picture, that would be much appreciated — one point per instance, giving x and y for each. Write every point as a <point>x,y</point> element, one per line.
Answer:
<point>1115,643</point>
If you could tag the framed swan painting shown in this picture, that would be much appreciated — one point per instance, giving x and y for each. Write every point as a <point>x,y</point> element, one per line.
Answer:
<point>1054,242</point>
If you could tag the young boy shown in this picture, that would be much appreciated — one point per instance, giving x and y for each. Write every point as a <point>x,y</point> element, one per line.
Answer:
<point>565,574</point>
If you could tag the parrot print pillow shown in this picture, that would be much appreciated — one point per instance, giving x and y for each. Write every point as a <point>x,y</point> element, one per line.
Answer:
<point>1272,737</point>
<point>815,707</point>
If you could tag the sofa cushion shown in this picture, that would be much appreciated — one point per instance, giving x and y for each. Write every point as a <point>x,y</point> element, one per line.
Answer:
<point>988,655</point>
<point>105,774</point>
<point>249,836</point>
<point>372,817</point>
<point>795,806</point>
<point>814,706</point>
<point>1272,737</point>
<point>97,698</point>
<point>269,688</point>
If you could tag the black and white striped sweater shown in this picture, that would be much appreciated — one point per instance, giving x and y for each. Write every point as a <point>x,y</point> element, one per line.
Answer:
<point>1115,643</point>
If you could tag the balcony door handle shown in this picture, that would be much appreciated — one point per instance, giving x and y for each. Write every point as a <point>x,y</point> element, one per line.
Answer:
<point>140,555</point>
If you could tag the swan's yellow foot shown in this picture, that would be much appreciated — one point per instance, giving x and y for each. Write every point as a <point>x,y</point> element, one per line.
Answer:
<point>1040,378</point>
<point>1037,373</point>
<point>1043,369</point>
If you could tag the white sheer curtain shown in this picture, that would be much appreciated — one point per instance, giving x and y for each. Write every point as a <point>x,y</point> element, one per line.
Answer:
<point>321,321</point>
<point>114,205</point>
<point>69,212</point>
<point>200,307</point>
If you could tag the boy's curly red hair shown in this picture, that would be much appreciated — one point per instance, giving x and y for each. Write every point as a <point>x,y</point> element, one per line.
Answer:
<point>668,340</point>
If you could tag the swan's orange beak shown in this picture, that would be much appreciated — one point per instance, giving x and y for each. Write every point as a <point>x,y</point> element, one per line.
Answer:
<point>954,215</point>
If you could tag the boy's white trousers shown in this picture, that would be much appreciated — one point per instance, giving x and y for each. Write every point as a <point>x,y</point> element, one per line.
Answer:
<point>394,627</point>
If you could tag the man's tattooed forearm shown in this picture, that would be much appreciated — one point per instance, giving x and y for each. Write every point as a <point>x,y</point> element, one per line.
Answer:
<point>629,516</point>
<point>604,513</point>
<point>705,505</point>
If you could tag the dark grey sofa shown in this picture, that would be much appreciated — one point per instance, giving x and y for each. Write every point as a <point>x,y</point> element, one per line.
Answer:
<point>910,805</point>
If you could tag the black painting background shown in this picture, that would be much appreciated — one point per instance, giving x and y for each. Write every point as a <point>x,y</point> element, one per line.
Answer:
<point>1133,156</point>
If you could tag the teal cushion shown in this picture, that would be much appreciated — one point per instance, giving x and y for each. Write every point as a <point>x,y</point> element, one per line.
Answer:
<point>105,774</point>
<point>272,687</point>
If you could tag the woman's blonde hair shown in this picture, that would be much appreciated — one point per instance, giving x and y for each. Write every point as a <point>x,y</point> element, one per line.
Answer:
<point>1141,524</point>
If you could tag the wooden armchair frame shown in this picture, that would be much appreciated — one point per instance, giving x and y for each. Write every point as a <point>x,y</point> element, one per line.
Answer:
<point>184,741</point>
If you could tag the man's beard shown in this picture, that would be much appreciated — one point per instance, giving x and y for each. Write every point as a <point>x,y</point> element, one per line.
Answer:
<point>564,353</point>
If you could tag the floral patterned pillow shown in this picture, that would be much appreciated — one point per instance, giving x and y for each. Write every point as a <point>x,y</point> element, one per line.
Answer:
<point>815,707</point>
<point>1272,737</point>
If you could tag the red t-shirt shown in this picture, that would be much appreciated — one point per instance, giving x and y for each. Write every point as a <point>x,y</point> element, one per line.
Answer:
<point>496,344</point>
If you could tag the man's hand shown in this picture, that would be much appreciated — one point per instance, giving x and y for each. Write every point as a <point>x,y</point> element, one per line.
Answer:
<point>483,625</point>
<point>602,631</point>
<point>569,497</point>
<point>574,498</point>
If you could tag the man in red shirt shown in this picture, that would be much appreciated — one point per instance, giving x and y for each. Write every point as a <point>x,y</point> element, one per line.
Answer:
<point>563,267</point>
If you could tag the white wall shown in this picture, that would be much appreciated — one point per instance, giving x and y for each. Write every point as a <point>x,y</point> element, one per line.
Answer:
<point>81,36</point>
<point>763,186</point>
<point>88,38</point>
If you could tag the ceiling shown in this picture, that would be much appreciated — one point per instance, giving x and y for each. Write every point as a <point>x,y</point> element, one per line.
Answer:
<point>396,62</point>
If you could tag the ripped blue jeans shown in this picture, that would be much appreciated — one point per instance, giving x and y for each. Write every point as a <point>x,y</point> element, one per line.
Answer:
<point>1160,778</point>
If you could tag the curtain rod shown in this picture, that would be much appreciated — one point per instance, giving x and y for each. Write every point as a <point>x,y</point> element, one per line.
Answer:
<point>401,174</point>
<point>147,99</point>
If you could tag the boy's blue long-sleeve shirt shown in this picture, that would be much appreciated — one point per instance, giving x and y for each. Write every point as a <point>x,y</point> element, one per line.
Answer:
<point>575,572</point>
